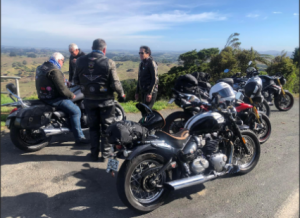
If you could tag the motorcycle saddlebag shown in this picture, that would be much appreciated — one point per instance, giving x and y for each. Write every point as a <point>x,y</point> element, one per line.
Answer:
<point>125,133</point>
<point>187,84</point>
<point>34,117</point>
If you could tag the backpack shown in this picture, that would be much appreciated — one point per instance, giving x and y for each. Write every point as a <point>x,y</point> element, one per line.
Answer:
<point>187,84</point>
<point>126,133</point>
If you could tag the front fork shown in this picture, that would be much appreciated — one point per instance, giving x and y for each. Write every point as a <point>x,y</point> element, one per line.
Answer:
<point>255,111</point>
<point>282,90</point>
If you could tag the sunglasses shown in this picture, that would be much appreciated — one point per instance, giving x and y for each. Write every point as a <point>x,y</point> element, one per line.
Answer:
<point>62,60</point>
<point>142,53</point>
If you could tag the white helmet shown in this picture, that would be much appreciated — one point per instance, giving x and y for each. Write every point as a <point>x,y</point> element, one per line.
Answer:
<point>224,90</point>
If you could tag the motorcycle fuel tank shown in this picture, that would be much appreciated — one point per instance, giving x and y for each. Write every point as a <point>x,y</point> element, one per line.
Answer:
<point>205,123</point>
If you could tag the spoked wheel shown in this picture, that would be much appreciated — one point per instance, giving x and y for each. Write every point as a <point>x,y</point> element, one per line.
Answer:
<point>119,112</point>
<point>264,133</point>
<point>284,103</point>
<point>136,185</point>
<point>246,162</point>
<point>176,121</point>
<point>28,140</point>
<point>264,107</point>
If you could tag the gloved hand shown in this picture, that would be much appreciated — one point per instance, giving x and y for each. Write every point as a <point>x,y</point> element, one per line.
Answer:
<point>122,98</point>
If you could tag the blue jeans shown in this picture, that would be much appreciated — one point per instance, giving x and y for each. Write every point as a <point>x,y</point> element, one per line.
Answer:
<point>68,107</point>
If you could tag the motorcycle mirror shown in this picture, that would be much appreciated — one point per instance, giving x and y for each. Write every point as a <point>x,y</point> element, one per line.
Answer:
<point>12,88</point>
<point>250,62</point>
<point>226,70</point>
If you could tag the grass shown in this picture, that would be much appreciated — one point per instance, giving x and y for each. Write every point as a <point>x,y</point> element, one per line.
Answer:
<point>129,107</point>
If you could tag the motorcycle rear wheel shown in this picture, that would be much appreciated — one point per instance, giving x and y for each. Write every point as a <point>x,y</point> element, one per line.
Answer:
<point>27,140</point>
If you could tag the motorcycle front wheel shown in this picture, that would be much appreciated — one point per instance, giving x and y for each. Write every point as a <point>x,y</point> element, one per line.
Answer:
<point>176,121</point>
<point>28,140</point>
<point>134,183</point>
<point>264,106</point>
<point>119,112</point>
<point>246,162</point>
<point>284,103</point>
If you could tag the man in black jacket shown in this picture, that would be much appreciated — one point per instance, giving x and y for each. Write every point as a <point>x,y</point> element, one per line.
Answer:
<point>98,79</point>
<point>51,89</point>
<point>75,53</point>
<point>147,78</point>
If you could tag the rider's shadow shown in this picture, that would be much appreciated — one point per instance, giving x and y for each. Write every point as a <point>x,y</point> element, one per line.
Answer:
<point>96,196</point>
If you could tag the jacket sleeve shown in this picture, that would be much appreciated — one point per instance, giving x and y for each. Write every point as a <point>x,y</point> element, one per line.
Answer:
<point>59,81</point>
<point>138,81</point>
<point>70,70</point>
<point>114,81</point>
<point>154,76</point>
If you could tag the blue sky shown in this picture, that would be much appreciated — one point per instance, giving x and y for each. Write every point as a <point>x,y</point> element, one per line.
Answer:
<point>162,25</point>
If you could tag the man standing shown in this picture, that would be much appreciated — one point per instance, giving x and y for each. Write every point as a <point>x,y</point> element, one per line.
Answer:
<point>98,79</point>
<point>75,53</point>
<point>147,78</point>
<point>51,89</point>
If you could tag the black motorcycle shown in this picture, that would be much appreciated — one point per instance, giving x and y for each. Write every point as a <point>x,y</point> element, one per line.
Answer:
<point>32,122</point>
<point>238,82</point>
<point>273,90</point>
<point>210,145</point>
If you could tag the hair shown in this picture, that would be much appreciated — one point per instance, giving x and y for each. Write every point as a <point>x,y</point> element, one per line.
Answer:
<point>73,46</point>
<point>99,44</point>
<point>57,56</point>
<point>147,49</point>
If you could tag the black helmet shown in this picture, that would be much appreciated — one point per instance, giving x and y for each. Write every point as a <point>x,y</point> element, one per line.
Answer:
<point>253,87</point>
<point>152,120</point>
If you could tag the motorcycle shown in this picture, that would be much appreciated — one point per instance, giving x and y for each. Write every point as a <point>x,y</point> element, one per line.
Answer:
<point>246,112</point>
<point>211,145</point>
<point>238,83</point>
<point>273,90</point>
<point>32,123</point>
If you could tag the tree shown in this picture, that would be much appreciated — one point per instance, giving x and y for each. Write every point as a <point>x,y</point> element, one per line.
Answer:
<point>12,54</point>
<point>205,54</point>
<point>14,64</point>
<point>296,57</point>
<point>188,58</point>
<point>31,55</point>
<point>24,62</point>
<point>233,42</point>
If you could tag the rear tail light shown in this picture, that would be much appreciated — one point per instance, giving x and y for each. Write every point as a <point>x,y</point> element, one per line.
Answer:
<point>13,110</point>
<point>119,147</point>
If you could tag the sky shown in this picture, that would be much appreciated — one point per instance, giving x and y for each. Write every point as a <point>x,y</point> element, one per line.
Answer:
<point>164,25</point>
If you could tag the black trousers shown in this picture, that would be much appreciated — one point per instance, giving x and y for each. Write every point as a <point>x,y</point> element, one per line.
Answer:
<point>151,103</point>
<point>99,115</point>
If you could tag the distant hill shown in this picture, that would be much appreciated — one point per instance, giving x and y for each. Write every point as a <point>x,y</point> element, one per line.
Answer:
<point>276,53</point>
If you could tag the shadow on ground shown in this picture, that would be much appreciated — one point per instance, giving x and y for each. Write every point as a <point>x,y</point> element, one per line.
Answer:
<point>96,195</point>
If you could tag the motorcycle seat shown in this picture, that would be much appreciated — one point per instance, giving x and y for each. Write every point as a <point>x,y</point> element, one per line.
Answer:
<point>177,140</point>
<point>229,81</point>
<point>33,102</point>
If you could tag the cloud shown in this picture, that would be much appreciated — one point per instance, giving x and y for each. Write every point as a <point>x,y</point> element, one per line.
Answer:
<point>108,19</point>
<point>296,14</point>
<point>253,15</point>
<point>277,12</point>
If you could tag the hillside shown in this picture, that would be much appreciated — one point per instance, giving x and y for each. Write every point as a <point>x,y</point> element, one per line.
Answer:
<point>13,66</point>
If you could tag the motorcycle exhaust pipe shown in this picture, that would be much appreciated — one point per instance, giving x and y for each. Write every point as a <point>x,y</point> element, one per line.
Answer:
<point>187,182</point>
<point>49,132</point>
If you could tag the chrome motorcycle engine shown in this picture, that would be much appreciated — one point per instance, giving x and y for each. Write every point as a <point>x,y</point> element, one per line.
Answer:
<point>199,165</point>
<point>218,161</point>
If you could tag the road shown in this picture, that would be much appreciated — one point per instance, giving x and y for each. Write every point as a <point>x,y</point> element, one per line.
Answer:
<point>60,181</point>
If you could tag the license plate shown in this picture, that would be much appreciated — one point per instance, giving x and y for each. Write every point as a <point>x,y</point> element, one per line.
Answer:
<point>113,164</point>
<point>171,100</point>
<point>7,122</point>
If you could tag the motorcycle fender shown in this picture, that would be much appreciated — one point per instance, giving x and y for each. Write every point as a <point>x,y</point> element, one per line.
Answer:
<point>13,114</point>
<point>148,148</point>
